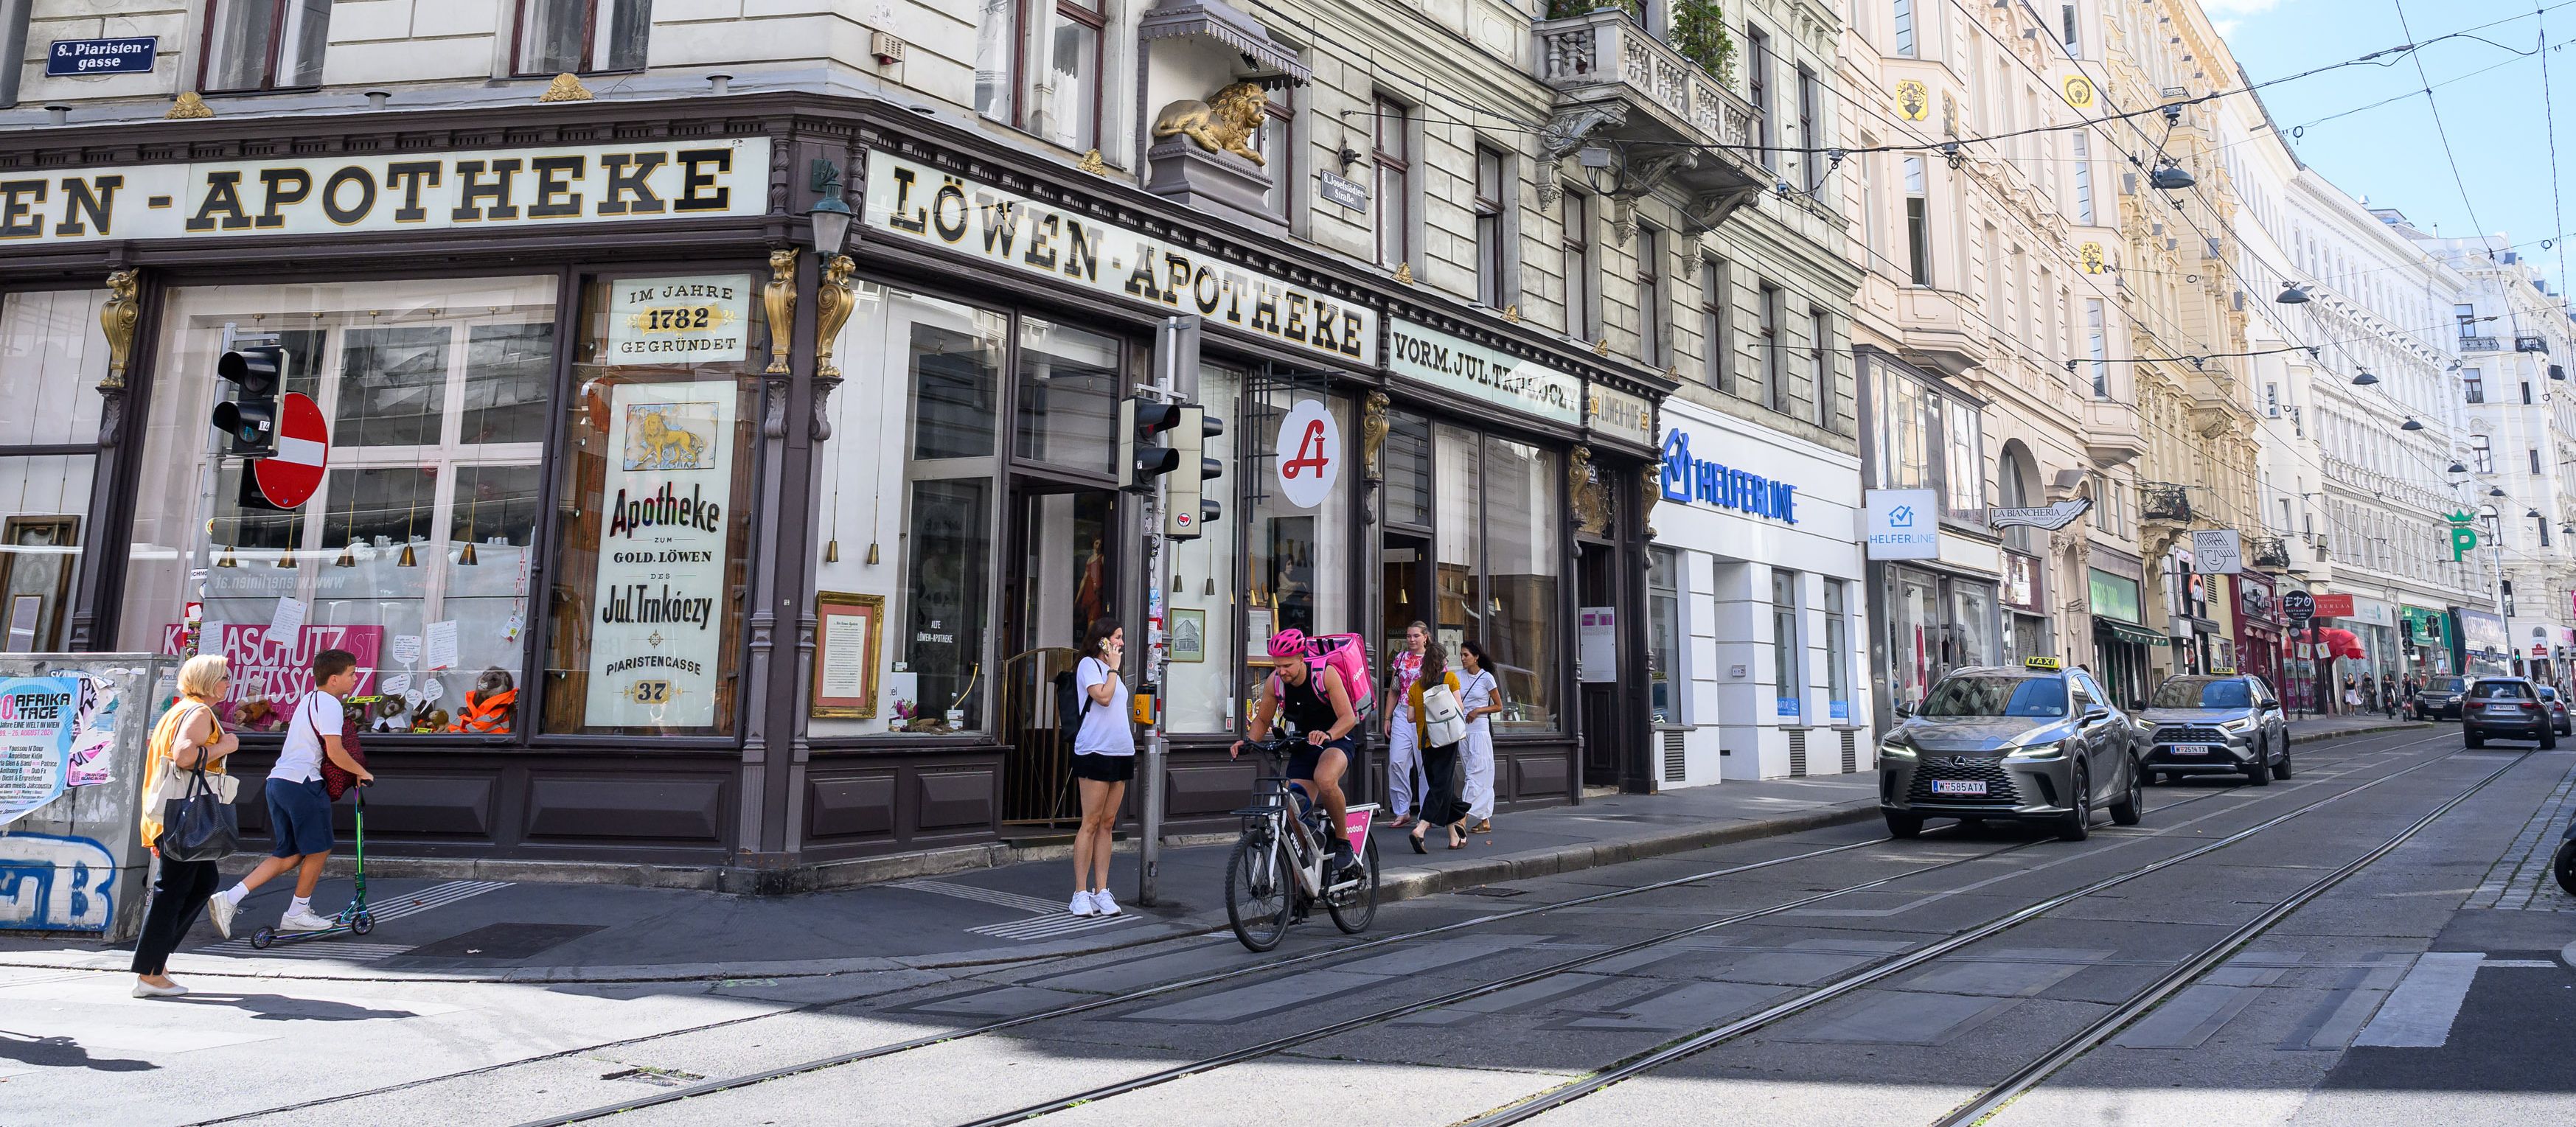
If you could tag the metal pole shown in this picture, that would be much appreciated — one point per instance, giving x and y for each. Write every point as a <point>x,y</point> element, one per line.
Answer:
<point>1176,380</point>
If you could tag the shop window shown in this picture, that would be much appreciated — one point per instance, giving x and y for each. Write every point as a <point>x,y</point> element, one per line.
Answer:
<point>1408,469</point>
<point>51,356</point>
<point>1914,635</point>
<point>911,508</point>
<point>1518,595</point>
<point>652,573</point>
<point>1838,649</point>
<point>416,551</point>
<point>1300,558</point>
<point>582,36</point>
<point>1206,589</point>
<point>264,44</point>
<point>1457,458</point>
<point>1390,132</point>
<point>1068,397</point>
<point>1788,677</point>
<point>1667,687</point>
<point>1973,625</point>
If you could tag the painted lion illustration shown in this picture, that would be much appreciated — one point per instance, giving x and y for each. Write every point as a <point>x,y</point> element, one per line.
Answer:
<point>665,446</point>
<point>1223,124</point>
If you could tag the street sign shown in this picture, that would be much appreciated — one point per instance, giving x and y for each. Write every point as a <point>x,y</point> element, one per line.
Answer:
<point>1344,191</point>
<point>75,58</point>
<point>289,477</point>
<point>2298,606</point>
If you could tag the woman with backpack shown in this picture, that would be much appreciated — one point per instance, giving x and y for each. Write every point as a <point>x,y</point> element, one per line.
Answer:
<point>1482,698</point>
<point>1104,760</point>
<point>1440,730</point>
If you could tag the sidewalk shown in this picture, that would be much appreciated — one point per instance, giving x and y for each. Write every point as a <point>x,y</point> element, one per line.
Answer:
<point>2315,728</point>
<point>489,930</point>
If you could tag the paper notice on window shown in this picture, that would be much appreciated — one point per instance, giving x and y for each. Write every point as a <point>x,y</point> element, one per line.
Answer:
<point>844,656</point>
<point>406,649</point>
<point>438,639</point>
<point>285,622</point>
<point>394,686</point>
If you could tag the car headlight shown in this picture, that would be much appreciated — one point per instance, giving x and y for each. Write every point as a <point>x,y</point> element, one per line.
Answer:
<point>1895,751</point>
<point>2240,724</point>
<point>2047,750</point>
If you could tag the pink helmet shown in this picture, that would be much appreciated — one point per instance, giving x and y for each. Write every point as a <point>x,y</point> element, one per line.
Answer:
<point>1287,644</point>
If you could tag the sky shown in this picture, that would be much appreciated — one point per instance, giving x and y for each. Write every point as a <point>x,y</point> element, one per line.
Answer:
<point>2392,155</point>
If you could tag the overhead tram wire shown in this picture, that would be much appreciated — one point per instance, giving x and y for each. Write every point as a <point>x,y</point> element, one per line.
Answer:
<point>2557,193</point>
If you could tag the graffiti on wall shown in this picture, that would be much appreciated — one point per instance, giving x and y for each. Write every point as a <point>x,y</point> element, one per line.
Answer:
<point>50,883</point>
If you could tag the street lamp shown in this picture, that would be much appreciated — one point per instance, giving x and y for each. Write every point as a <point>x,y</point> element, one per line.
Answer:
<point>2293,295</point>
<point>831,215</point>
<point>2495,491</point>
<point>2410,424</point>
<point>2458,468</point>
<point>2365,379</point>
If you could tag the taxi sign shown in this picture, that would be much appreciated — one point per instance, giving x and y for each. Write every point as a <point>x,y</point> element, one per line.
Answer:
<point>2223,670</point>
<point>2040,663</point>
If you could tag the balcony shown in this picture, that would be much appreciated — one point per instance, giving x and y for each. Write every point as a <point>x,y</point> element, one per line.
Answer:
<point>2164,501</point>
<point>2480,344</point>
<point>2531,344</point>
<point>2111,434</point>
<point>1616,82</point>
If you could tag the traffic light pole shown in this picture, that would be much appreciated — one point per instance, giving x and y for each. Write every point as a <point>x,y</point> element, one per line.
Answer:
<point>1176,377</point>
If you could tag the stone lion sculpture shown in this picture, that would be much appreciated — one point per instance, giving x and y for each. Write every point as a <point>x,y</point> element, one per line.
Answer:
<point>1224,123</point>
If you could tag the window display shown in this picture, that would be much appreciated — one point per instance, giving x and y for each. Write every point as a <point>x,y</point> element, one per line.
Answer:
<point>1499,526</point>
<point>415,551</point>
<point>1206,588</point>
<point>50,357</point>
<point>653,566</point>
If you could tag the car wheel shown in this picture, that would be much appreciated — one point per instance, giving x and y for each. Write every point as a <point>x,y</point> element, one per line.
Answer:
<point>2077,823</point>
<point>1904,825</point>
<point>2133,801</point>
<point>2281,770</point>
<point>2548,740</point>
<point>2473,737</point>
<point>2259,772</point>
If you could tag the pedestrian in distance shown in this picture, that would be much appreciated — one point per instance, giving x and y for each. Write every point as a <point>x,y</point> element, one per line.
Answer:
<point>299,808</point>
<point>1432,697</point>
<point>1483,697</point>
<point>186,740</point>
<point>1403,751</point>
<point>1104,762</point>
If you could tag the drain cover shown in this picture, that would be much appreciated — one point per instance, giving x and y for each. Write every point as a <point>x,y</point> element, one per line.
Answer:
<point>502,941</point>
<point>1490,890</point>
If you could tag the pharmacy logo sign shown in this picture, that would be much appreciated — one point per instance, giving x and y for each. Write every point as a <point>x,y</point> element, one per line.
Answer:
<point>2464,536</point>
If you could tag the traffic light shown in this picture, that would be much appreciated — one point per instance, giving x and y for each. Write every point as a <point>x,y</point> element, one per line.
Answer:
<point>1140,458</point>
<point>1185,511</point>
<point>249,418</point>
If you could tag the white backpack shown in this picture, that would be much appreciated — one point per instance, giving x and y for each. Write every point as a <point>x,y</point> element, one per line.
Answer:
<point>1443,721</point>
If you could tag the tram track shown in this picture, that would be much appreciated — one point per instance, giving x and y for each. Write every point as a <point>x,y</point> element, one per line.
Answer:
<point>1278,1045</point>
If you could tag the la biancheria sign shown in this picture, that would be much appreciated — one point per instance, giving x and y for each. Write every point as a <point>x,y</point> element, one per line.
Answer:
<point>392,192</point>
<point>917,202</point>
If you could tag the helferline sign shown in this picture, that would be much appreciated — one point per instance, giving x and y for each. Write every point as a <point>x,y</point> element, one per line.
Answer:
<point>1901,524</point>
<point>918,203</point>
<point>657,641</point>
<point>396,192</point>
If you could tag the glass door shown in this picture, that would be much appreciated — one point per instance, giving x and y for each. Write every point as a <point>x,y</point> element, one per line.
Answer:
<point>1063,548</point>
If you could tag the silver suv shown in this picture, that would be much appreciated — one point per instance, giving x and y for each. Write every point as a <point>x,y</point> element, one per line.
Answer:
<point>2206,724</point>
<point>2036,744</point>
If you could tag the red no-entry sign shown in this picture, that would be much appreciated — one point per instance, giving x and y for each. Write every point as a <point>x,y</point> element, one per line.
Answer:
<point>289,477</point>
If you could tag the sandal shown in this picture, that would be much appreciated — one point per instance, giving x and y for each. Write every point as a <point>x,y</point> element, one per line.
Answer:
<point>1457,843</point>
<point>1416,839</point>
<point>1483,827</point>
<point>1401,821</point>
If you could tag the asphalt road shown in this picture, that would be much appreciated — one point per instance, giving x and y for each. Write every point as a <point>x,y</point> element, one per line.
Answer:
<point>2305,970</point>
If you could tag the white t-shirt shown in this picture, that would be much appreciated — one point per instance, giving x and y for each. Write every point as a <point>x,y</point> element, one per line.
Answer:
<point>300,761</point>
<point>1105,730</point>
<point>1477,693</point>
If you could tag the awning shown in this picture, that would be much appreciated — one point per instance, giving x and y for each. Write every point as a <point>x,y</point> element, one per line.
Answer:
<point>1220,21</point>
<point>2122,631</point>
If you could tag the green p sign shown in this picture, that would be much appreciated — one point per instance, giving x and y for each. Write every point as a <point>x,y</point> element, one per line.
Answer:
<point>2464,536</point>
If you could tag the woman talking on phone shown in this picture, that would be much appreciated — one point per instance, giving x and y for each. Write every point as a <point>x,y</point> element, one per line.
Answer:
<point>1104,760</point>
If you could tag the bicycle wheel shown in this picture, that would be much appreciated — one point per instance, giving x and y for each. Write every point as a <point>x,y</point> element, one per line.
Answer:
<point>1355,908</point>
<point>1257,892</point>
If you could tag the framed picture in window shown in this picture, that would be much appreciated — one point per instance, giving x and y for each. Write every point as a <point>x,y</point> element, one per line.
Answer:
<point>35,580</point>
<point>847,629</point>
<point>1189,635</point>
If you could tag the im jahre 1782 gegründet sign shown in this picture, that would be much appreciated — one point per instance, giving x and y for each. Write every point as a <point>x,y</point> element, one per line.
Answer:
<point>338,193</point>
<point>913,201</point>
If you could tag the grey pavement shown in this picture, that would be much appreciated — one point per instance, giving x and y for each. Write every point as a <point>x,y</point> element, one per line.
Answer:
<point>522,931</point>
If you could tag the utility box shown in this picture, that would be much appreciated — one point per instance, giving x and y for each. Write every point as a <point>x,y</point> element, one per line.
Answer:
<point>73,731</point>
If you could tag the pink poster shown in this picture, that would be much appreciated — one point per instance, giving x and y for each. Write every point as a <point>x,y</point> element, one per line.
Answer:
<point>269,677</point>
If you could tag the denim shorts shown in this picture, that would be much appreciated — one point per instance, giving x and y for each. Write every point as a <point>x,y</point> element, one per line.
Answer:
<point>299,818</point>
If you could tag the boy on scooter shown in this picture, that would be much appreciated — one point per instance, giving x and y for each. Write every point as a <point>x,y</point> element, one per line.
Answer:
<point>299,809</point>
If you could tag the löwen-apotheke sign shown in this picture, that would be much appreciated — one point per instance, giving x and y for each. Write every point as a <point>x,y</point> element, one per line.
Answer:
<point>425,191</point>
<point>921,203</point>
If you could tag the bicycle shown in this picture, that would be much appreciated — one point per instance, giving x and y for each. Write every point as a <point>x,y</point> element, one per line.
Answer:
<point>1276,872</point>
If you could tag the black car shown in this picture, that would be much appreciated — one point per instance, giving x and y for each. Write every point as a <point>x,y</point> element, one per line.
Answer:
<point>2509,707</point>
<point>2439,699</point>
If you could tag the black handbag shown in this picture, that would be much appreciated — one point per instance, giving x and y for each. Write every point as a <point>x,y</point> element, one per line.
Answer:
<point>198,826</point>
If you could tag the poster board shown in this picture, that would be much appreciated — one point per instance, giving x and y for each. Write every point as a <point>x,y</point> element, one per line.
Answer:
<point>848,651</point>
<point>659,596</point>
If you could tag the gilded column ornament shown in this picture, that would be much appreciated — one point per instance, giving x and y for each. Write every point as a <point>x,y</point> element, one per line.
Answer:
<point>832,305</point>
<point>189,107</point>
<point>1404,272</point>
<point>117,319</point>
<point>1651,489</point>
<point>1373,427</point>
<point>565,88</point>
<point>780,296</point>
<point>1591,502</point>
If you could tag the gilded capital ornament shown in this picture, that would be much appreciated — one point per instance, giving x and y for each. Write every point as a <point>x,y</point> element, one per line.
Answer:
<point>1651,489</point>
<point>832,305</point>
<point>1591,501</point>
<point>565,88</point>
<point>780,296</point>
<point>1373,428</point>
<point>116,320</point>
<point>188,107</point>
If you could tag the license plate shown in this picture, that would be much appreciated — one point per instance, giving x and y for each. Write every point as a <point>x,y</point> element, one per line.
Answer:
<point>2503,710</point>
<point>2189,749</point>
<point>1958,786</point>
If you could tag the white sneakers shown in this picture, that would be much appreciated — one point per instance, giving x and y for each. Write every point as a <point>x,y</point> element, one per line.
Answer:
<point>1093,904</point>
<point>219,911</point>
<point>303,921</point>
<point>147,990</point>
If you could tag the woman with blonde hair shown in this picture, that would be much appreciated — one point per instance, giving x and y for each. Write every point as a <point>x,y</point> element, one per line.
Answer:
<point>186,738</point>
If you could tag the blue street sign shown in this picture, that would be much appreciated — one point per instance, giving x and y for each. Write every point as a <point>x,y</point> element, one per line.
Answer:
<point>71,58</point>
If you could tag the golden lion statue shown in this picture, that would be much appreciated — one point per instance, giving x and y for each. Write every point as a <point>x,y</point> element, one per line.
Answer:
<point>1224,123</point>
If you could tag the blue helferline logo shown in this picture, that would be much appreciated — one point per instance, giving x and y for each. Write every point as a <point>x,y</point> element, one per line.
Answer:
<point>1690,479</point>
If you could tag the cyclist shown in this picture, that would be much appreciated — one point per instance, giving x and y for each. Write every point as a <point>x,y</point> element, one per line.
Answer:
<point>1317,706</point>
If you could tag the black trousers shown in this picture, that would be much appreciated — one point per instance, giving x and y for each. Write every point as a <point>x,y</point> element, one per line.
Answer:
<point>1445,772</point>
<point>177,897</point>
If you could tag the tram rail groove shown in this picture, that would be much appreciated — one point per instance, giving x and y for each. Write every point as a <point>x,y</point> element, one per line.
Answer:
<point>1641,1064</point>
